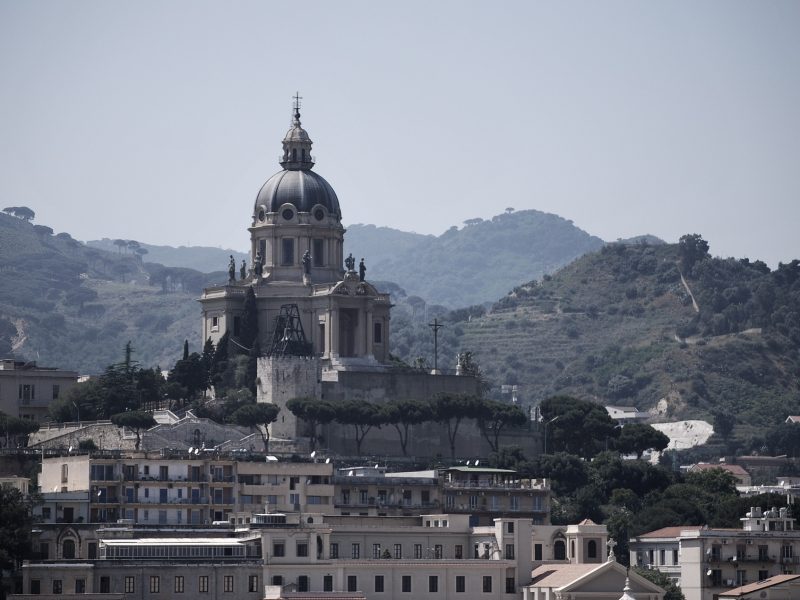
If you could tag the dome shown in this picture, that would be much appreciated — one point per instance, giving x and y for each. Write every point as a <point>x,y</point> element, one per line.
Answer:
<point>296,134</point>
<point>302,188</point>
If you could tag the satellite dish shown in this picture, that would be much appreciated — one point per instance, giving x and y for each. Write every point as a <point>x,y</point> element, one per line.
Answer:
<point>197,451</point>
<point>376,465</point>
<point>709,573</point>
<point>350,474</point>
<point>191,449</point>
<point>467,463</point>
<point>70,449</point>
<point>55,488</point>
<point>313,453</point>
<point>327,460</point>
<point>477,462</point>
<point>271,458</point>
<point>99,493</point>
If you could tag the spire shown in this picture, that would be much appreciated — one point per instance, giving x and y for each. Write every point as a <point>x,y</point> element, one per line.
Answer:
<point>296,143</point>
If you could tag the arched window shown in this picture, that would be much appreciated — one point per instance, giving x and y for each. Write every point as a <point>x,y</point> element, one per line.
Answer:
<point>68,549</point>
<point>294,153</point>
<point>559,550</point>
<point>572,549</point>
<point>304,155</point>
<point>591,549</point>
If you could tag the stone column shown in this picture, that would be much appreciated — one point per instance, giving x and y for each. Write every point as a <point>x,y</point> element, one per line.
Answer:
<point>368,333</point>
<point>333,333</point>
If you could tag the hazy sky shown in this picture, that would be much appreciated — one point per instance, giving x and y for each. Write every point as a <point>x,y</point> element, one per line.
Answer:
<point>159,121</point>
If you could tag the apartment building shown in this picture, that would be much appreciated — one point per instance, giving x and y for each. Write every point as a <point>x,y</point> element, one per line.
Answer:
<point>26,390</point>
<point>706,561</point>
<point>433,555</point>
<point>160,488</point>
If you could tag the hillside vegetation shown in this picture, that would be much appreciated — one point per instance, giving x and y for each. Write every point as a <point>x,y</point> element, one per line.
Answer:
<point>619,326</point>
<point>475,264</point>
<point>68,305</point>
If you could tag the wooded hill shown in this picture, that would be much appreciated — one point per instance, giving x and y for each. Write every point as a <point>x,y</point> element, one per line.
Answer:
<point>619,326</point>
<point>474,264</point>
<point>67,305</point>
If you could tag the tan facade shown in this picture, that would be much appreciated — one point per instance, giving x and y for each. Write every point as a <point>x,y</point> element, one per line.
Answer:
<point>26,390</point>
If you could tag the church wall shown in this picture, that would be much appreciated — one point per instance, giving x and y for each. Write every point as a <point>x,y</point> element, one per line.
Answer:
<point>425,440</point>
<point>282,378</point>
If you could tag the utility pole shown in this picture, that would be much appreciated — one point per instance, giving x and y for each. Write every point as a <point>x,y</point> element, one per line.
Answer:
<point>436,326</point>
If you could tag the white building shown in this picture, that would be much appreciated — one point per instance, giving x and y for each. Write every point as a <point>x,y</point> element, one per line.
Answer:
<point>706,562</point>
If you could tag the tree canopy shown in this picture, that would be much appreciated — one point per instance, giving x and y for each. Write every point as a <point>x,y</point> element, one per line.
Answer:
<point>136,420</point>
<point>254,415</point>
<point>578,426</point>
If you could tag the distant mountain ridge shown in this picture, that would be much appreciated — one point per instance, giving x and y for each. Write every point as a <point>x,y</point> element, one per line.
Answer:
<point>205,259</point>
<point>475,264</point>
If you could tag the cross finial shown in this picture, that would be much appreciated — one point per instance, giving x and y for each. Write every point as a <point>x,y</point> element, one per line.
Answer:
<point>297,98</point>
<point>611,545</point>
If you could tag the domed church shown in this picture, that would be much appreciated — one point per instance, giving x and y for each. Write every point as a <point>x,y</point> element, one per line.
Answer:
<point>323,329</point>
<point>296,258</point>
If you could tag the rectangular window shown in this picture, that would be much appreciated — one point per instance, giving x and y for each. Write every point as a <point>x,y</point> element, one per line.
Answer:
<point>417,550</point>
<point>355,551</point>
<point>510,585</point>
<point>155,584</point>
<point>537,552</point>
<point>130,586</point>
<point>302,549</point>
<point>662,555</point>
<point>334,550</point>
<point>379,583</point>
<point>277,580</point>
<point>762,575</point>
<point>405,584</point>
<point>58,586</point>
<point>487,584</point>
<point>510,527</point>
<point>56,391</point>
<point>376,550</point>
<point>438,551</point>
<point>318,253</point>
<point>473,502</point>
<point>36,587</point>
<point>352,583</point>
<point>178,587</point>
<point>252,583</point>
<point>461,584</point>
<point>674,557</point>
<point>514,502</point>
<point>287,251</point>
<point>741,577</point>
<point>214,323</point>
<point>105,585</point>
<point>763,553</point>
<point>398,551</point>
<point>262,250</point>
<point>279,549</point>
<point>787,551</point>
<point>302,583</point>
<point>227,583</point>
<point>327,583</point>
<point>433,584</point>
<point>80,586</point>
<point>509,552</point>
<point>459,551</point>
<point>202,584</point>
<point>377,333</point>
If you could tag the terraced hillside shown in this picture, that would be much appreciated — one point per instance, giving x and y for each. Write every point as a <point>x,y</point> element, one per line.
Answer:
<point>619,326</point>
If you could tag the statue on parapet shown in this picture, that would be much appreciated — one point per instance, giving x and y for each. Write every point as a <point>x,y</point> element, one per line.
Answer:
<point>258,268</point>
<point>307,262</point>
<point>232,269</point>
<point>243,270</point>
<point>350,263</point>
<point>362,270</point>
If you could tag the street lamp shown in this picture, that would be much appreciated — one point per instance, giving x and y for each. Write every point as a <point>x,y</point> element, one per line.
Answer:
<point>545,431</point>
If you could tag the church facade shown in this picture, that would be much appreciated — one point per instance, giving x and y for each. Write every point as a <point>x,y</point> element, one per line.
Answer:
<point>323,329</point>
<point>296,258</point>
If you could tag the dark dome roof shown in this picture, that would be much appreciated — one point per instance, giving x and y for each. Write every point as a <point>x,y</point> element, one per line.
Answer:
<point>302,188</point>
